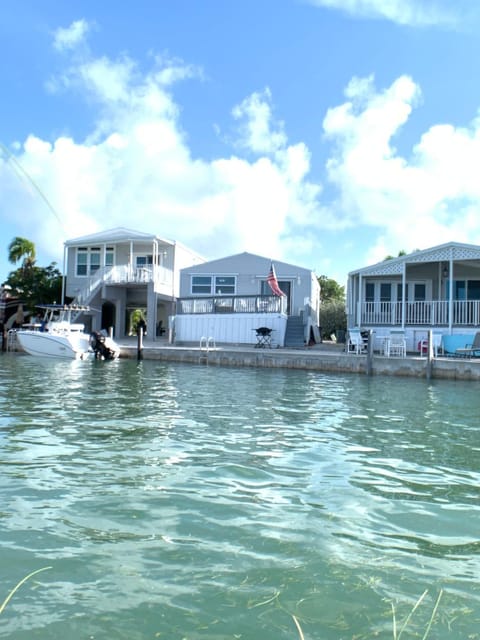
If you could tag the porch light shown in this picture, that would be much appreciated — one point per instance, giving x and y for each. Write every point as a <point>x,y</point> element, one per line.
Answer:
<point>445,272</point>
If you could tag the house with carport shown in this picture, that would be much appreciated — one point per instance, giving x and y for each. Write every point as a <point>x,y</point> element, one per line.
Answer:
<point>119,271</point>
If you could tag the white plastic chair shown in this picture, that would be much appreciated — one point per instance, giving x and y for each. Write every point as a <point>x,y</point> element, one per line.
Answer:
<point>396,344</point>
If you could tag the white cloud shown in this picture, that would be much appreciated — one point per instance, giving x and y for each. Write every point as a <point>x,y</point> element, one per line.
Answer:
<point>257,133</point>
<point>410,202</point>
<point>404,12</point>
<point>135,168</point>
<point>70,37</point>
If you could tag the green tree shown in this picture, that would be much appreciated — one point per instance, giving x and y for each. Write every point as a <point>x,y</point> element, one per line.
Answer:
<point>330,290</point>
<point>22,249</point>
<point>401,253</point>
<point>36,285</point>
<point>32,284</point>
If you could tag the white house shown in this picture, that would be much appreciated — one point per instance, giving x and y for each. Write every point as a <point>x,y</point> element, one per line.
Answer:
<point>229,299</point>
<point>118,271</point>
<point>437,288</point>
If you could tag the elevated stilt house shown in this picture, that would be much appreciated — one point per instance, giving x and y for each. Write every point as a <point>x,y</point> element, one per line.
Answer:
<point>119,271</point>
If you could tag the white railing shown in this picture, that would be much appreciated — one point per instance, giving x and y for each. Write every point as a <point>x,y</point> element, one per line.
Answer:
<point>232,304</point>
<point>124,274</point>
<point>428,312</point>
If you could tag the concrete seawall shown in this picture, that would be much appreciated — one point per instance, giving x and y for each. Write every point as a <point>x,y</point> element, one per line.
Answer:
<point>316,359</point>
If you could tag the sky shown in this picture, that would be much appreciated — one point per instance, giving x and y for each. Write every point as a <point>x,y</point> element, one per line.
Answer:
<point>324,133</point>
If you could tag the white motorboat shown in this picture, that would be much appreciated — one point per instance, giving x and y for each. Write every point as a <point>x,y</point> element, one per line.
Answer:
<point>56,336</point>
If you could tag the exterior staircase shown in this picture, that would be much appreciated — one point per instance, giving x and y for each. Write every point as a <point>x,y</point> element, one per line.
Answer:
<point>294,333</point>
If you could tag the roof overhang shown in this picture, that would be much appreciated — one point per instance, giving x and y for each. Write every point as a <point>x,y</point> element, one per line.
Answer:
<point>453,251</point>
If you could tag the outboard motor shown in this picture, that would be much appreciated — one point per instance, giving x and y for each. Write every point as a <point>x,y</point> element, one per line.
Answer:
<point>102,347</point>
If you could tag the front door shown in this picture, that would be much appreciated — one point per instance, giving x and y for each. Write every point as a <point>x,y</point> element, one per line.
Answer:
<point>417,311</point>
<point>285,286</point>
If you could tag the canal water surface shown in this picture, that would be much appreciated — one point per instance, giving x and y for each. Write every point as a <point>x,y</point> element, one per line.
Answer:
<point>190,502</point>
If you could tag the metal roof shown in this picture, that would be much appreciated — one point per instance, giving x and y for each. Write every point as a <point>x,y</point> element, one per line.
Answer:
<point>119,234</point>
<point>442,253</point>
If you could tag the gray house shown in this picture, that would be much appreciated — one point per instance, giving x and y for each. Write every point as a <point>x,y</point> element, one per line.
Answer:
<point>119,271</point>
<point>228,299</point>
<point>435,289</point>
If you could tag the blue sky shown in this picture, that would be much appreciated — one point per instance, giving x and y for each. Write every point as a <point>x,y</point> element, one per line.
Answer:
<point>326,133</point>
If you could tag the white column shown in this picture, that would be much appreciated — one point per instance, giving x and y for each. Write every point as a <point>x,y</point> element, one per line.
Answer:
<point>450,293</point>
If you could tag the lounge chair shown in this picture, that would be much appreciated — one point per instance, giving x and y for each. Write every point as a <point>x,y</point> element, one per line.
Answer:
<point>470,350</point>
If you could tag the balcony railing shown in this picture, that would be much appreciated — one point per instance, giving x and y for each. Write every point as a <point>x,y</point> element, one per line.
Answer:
<point>429,312</point>
<point>125,274</point>
<point>232,304</point>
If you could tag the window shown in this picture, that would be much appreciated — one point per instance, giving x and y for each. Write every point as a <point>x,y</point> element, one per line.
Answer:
<point>473,290</point>
<point>143,261</point>
<point>213,285</point>
<point>89,260</point>
<point>82,258</point>
<point>464,289</point>
<point>370,292</point>
<point>225,285</point>
<point>385,292</point>
<point>202,284</point>
<point>419,292</point>
<point>94,259</point>
<point>109,257</point>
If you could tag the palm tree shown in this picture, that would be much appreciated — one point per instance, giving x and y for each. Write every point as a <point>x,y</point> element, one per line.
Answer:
<point>22,248</point>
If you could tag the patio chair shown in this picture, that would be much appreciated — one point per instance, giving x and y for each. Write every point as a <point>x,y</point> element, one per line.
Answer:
<point>264,337</point>
<point>396,345</point>
<point>356,343</point>
<point>472,350</point>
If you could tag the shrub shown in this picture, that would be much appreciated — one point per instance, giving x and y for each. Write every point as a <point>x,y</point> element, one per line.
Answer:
<point>333,318</point>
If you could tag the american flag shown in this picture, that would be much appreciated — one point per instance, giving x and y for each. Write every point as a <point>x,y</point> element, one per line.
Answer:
<point>273,282</point>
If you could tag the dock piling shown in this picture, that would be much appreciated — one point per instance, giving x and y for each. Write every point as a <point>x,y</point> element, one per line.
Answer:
<point>370,353</point>
<point>429,366</point>
<point>140,343</point>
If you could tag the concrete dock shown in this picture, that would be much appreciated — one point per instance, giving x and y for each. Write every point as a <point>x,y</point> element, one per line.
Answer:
<point>326,356</point>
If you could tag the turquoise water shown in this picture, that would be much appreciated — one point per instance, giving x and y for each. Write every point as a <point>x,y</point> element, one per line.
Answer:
<point>177,501</point>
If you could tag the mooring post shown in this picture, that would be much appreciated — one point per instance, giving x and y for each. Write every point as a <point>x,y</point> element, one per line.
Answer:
<point>370,352</point>
<point>140,343</point>
<point>429,354</point>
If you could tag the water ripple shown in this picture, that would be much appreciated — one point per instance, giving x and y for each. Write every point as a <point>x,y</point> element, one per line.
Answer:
<point>189,501</point>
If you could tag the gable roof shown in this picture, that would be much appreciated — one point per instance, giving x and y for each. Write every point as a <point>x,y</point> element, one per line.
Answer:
<point>440,253</point>
<point>257,264</point>
<point>119,234</point>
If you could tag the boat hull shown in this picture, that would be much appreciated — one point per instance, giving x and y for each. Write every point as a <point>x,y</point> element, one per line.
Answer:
<point>51,345</point>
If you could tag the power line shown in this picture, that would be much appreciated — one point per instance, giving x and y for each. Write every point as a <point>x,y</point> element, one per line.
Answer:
<point>23,174</point>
